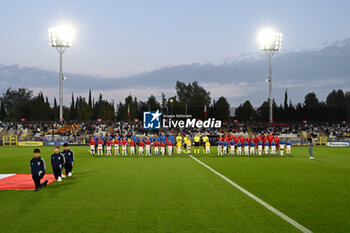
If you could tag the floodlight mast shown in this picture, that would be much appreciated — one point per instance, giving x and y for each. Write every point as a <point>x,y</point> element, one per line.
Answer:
<point>270,43</point>
<point>61,39</point>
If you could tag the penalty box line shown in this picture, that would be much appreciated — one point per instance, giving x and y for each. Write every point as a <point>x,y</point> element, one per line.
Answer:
<point>257,199</point>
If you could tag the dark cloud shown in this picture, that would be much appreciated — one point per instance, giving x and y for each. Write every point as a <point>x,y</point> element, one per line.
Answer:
<point>300,71</point>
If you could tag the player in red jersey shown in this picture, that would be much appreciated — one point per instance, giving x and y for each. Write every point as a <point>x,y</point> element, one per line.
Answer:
<point>156,147</point>
<point>132,147</point>
<point>277,141</point>
<point>226,138</point>
<point>109,146</point>
<point>162,148</point>
<point>124,143</point>
<point>257,139</point>
<point>236,140</point>
<point>231,137</point>
<point>141,146</point>
<point>92,146</point>
<point>242,139</point>
<point>148,147</point>
<point>270,138</point>
<point>116,146</point>
<point>170,147</point>
<point>99,146</point>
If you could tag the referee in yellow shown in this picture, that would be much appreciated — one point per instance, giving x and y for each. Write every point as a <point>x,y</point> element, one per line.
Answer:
<point>185,141</point>
<point>197,140</point>
<point>179,138</point>
<point>204,140</point>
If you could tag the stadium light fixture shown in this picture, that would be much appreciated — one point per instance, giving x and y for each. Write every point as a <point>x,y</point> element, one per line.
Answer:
<point>61,38</point>
<point>171,106</point>
<point>270,42</point>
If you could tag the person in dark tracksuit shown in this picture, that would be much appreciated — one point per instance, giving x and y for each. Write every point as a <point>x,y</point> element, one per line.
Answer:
<point>69,158</point>
<point>311,145</point>
<point>57,162</point>
<point>37,168</point>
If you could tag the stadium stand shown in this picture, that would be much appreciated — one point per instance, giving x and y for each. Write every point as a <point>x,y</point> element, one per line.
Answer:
<point>82,131</point>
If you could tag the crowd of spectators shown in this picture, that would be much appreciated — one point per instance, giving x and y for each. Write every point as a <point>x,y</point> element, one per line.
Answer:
<point>73,129</point>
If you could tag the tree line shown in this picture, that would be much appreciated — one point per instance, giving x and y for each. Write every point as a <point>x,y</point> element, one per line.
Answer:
<point>190,99</point>
<point>336,108</point>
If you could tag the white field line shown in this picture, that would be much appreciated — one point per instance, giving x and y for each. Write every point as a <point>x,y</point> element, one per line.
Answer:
<point>263,203</point>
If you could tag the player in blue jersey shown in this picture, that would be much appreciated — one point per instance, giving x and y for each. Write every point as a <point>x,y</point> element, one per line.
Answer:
<point>133,138</point>
<point>109,137</point>
<point>224,147</point>
<point>266,147</point>
<point>163,138</point>
<point>117,136</point>
<point>155,138</point>
<point>171,138</point>
<point>260,147</point>
<point>246,147</point>
<point>219,147</point>
<point>252,147</point>
<point>282,144</point>
<point>239,148</point>
<point>232,147</point>
<point>95,139</point>
<point>273,147</point>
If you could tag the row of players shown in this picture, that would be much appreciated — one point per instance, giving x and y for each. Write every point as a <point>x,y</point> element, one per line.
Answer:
<point>231,145</point>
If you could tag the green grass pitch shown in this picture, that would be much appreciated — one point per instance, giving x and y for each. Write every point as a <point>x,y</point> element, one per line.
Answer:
<point>177,194</point>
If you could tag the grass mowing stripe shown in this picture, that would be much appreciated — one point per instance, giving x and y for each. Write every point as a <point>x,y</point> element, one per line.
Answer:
<point>266,205</point>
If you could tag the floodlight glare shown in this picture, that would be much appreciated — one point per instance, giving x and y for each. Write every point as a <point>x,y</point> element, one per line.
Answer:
<point>270,42</point>
<point>61,38</point>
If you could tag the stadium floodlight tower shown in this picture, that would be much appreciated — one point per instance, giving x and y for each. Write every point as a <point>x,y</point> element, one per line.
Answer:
<point>61,38</point>
<point>270,42</point>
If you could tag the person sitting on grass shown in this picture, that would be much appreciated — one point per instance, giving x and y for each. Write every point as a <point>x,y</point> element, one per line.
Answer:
<point>38,168</point>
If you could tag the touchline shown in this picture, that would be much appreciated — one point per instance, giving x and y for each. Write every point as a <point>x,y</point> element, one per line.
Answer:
<point>192,123</point>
